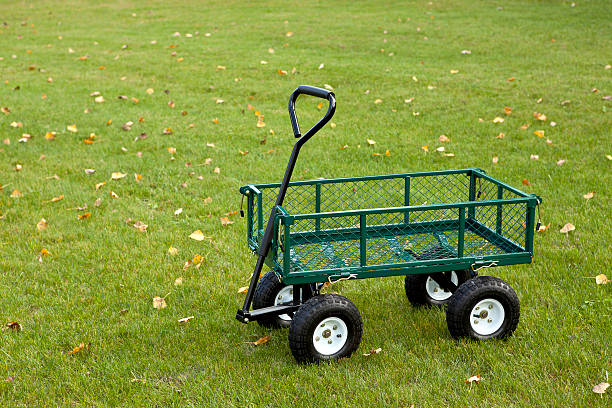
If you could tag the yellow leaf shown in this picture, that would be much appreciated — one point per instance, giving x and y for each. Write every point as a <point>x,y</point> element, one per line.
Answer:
<point>539,116</point>
<point>58,198</point>
<point>501,135</point>
<point>72,128</point>
<point>543,228</point>
<point>172,251</point>
<point>507,110</point>
<point>150,91</point>
<point>50,135</point>
<point>425,148</point>
<point>371,142</point>
<point>178,281</point>
<point>113,194</point>
<point>99,99</point>
<point>498,120</point>
<point>16,194</point>
<point>159,303</point>
<point>197,259</point>
<point>42,224</point>
<point>262,340</point>
<point>567,228</point>
<point>454,71</point>
<point>378,101</point>
<point>260,124</point>
<point>13,326</point>
<point>601,279</point>
<point>495,159</point>
<point>197,235</point>
<point>76,349</point>
<point>44,252</point>
<point>588,196</point>
<point>217,170</point>
<point>243,289</point>
<point>118,175</point>
<point>84,216</point>
<point>207,200</point>
<point>100,185</point>
<point>443,139</point>
<point>387,153</point>
<point>320,105</point>
<point>539,133</point>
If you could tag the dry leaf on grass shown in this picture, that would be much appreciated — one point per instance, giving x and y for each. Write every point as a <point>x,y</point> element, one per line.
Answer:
<point>186,319</point>
<point>172,251</point>
<point>197,235</point>
<point>601,388</point>
<point>567,228</point>
<point>602,279</point>
<point>84,216</point>
<point>243,289</point>
<point>140,226</point>
<point>42,224</point>
<point>159,302</point>
<point>118,175</point>
<point>373,351</point>
<point>261,341</point>
<point>178,212</point>
<point>225,221</point>
<point>15,326</point>
<point>473,379</point>
<point>78,348</point>
<point>588,196</point>
<point>178,281</point>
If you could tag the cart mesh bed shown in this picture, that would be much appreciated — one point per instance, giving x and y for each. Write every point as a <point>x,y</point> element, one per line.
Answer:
<point>392,225</point>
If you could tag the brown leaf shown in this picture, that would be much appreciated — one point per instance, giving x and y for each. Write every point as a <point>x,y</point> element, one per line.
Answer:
<point>473,379</point>
<point>159,303</point>
<point>226,221</point>
<point>140,226</point>
<point>15,326</point>
<point>84,216</point>
<point>261,341</point>
<point>526,182</point>
<point>78,348</point>
<point>58,198</point>
<point>42,224</point>
<point>373,351</point>
<point>567,228</point>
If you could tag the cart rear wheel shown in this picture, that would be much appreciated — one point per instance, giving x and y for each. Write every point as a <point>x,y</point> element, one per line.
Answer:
<point>422,290</point>
<point>326,327</point>
<point>271,291</point>
<point>483,308</point>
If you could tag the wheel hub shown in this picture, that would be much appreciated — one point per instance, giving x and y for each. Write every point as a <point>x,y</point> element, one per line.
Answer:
<point>438,293</point>
<point>285,295</point>
<point>330,336</point>
<point>487,316</point>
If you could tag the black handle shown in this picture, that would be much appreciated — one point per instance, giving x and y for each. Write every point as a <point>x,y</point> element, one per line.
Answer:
<point>312,91</point>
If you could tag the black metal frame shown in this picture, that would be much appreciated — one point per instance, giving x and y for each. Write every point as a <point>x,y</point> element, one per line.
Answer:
<point>304,291</point>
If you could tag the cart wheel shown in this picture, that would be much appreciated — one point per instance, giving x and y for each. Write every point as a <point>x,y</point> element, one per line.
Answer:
<point>270,291</point>
<point>421,290</point>
<point>483,308</point>
<point>326,327</point>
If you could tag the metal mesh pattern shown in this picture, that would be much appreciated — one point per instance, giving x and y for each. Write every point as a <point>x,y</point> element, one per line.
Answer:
<point>376,232</point>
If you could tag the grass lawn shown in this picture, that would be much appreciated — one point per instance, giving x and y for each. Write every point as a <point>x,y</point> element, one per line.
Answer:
<point>186,75</point>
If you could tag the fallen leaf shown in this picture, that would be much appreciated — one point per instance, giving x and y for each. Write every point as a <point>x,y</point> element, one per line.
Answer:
<point>16,194</point>
<point>264,339</point>
<point>602,279</point>
<point>526,182</point>
<point>588,196</point>
<point>50,135</point>
<point>150,91</point>
<point>373,351</point>
<point>243,289</point>
<point>172,251</point>
<point>113,194</point>
<point>185,319</point>
<point>89,171</point>
<point>225,221</point>
<point>159,303</point>
<point>140,226</point>
<point>425,148</point>
<point>560,162</point>
<point>543,227</point>
<point>498,120</point>
<point>207,200</point>
<point>72,128</point>
<point>371,142</point>
<point>500,136</point>
<point>178,212</point>
<point>178,281</point>
<point>100,185</point>
<point>118,175</point>
<point>97,203</point>
<point>567,228</point>
<point>58,198</point>
<point>495,159</point>
<point>507,110</point>
<point>197,235</point>
<point>76,349</point>
<point>534,157</point>
<point>525,126</point>
<point>539,116</point>
<point>443,139</point>
<point>15,326</point>
<point>45,252</point>
<point>217,170</point>
<point>197,260</point>
<point>84,216</point>
<point>42,224</point>
<point>473,379</point>
<point>601,388</point>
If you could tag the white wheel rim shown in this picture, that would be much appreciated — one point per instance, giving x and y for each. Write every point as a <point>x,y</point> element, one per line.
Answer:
<point>330,336</point>
<point>434,290</point>
<point>285,295</point>
<point>487,317</point>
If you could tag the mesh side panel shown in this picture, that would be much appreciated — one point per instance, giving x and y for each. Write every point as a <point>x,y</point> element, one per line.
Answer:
<point>439,189</point>
<point>362,194</point>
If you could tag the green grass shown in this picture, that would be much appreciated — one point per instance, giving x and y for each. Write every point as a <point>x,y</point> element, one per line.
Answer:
<point>101,265</point>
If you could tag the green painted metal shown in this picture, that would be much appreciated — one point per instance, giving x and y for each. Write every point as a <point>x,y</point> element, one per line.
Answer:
<point>394,224</point>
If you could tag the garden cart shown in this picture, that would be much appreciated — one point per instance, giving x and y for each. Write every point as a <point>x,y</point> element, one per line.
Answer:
<point>435,228</point>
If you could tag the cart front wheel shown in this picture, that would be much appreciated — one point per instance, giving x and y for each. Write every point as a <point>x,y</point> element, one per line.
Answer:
<point>483,308</point>
<point>271,291</point>
<point>326,327</point>
<point>422,290</point>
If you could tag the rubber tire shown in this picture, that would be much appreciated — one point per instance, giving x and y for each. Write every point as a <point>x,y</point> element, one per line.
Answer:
<point>414,285</point>
<point>308,317</point>
<point>265,293</point>
<point>469,294</point>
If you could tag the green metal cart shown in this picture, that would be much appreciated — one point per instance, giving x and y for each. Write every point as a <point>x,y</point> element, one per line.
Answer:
<point>435,228</point>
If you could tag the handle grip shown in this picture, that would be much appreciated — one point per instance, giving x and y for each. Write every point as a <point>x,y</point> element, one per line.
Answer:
<point>312,91</point>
